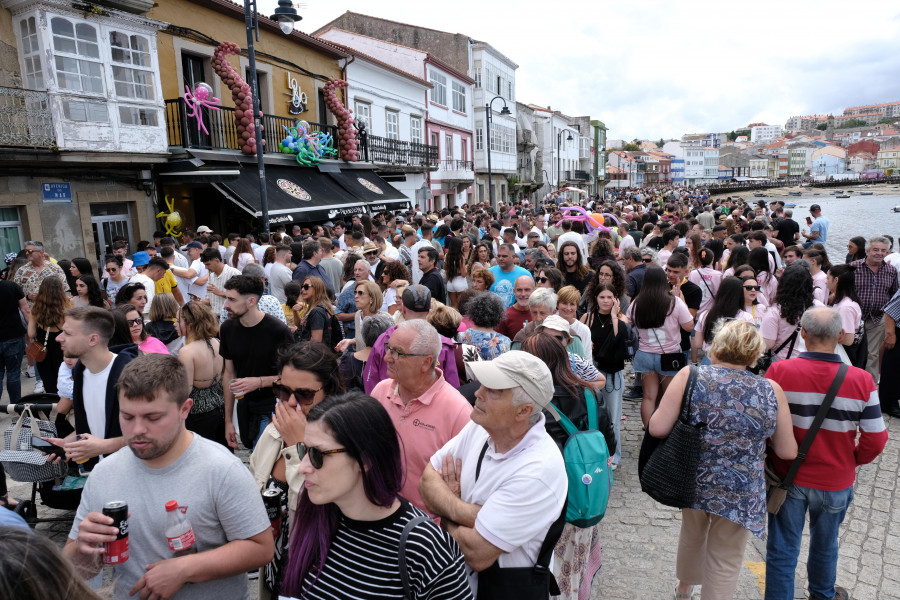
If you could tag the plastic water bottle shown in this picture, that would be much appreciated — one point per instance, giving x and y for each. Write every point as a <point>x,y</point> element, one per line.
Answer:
<point>179,532</point>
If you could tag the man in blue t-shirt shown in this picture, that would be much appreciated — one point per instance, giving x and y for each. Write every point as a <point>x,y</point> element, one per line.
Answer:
<point>505,274</point>
<point>818,229</point>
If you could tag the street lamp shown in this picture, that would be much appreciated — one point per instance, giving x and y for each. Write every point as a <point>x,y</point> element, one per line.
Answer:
<point>569,138</point>
<point>488,113</point>
<point>285,15</point>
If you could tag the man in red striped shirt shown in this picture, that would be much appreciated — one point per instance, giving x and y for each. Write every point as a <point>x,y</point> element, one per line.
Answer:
<point>824,484</point>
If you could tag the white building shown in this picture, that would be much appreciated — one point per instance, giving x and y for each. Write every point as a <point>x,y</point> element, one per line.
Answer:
<point>495,75</point>
<point>761,134</point>
<point>701,165</point>
<point>448,117</point>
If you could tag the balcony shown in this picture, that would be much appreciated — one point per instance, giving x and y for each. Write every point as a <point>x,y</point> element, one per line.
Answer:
<point>407,156</point>
<point>223,134</point>
<point>25,119</point>
<point>459,171</point>
<point>576,176</point>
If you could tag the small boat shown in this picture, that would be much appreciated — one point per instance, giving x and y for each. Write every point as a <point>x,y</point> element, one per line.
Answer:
<point>790,205</point>
<point>866,193</point>
<point>837,191</point>
<point>759,195</point>
<point>843,196</point>
<point>897,209</point>
<point>793,193</point>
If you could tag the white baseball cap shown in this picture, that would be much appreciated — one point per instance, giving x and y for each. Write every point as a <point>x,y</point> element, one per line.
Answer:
<point>517,369</point>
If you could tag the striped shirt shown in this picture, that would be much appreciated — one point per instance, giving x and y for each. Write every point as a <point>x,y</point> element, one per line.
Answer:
<point>874,289</point>
<point>836,452</point>
<point>363,562</point>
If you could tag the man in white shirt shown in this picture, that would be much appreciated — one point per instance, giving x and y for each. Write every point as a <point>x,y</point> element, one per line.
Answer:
<point>219,273</point>
<point>280,273</point>
<point>540,224</point>
<point>260,250</point>
<point>195,276</point>
<point>501,482</point>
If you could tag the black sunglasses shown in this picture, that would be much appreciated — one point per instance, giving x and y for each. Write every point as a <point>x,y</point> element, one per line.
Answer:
<point>647,260</point>
<point>305,286</point>
<point>303,395</point>
<point>133,322</point>
<point>541,279</point>
<point>754,288</point>
<point>316,456</point>
<point>359,292</point>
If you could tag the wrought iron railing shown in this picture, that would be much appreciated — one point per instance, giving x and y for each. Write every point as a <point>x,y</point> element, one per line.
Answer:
<point>25,119</point>
<point>456,165</point>
<point>223,134</point>
<point>399,152</point>
<point>577,176</point>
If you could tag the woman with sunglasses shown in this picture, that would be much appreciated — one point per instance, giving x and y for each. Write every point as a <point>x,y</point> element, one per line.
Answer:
<point>312,314</point>
<point>549,277</point>
<point>128,315</point>
<point>201,359</point>
<point>350,517</point>
<point>308,372</point>
<point>728,305</point>
<point>368,298</point>
<point>345,307</point>
<point>752,304</point>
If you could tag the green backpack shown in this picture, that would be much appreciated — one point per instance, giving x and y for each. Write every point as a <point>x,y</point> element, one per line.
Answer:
<point>588,467</point>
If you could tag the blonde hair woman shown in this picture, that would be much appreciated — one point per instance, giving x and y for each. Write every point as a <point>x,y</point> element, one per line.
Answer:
<point>742,411</point>
<point>163,314</point>
<point>368,298</point>
<point>313,312</point>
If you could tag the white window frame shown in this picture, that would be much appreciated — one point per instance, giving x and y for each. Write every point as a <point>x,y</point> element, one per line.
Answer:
<point>479,135</point>
<point>438,93</point>
<point>415,129</point>
<point>391,124</point>
<point>364,114</point>
<point>131,68</point>
<point>82,59</point>
<point>459,96</point>
<point>448,146</point>
<point>32,66</point>
<point>17,224</point>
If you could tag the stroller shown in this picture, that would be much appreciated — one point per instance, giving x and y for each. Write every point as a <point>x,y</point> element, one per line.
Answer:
<point>25,464</point>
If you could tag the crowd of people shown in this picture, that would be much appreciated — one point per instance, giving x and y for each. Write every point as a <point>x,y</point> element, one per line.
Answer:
<point>396,377</point>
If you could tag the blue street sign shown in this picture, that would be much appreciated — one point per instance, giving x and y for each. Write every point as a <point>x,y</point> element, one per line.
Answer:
<point>56,192</point>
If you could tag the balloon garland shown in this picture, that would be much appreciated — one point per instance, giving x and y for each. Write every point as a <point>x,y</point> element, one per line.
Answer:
<point>310,147</point>
<point>198,100</point>
<point>241,93</point>
<point>348,145</point>
<point>173,218</point>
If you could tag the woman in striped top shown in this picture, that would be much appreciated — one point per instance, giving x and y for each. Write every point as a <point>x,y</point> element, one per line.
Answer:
<point>346,538</point>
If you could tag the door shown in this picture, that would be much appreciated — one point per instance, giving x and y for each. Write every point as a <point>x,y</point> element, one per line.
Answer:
<point>109,221</point>
<point>194,70</point>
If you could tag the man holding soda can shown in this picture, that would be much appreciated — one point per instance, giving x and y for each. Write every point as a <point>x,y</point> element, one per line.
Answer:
<point>165,462</point>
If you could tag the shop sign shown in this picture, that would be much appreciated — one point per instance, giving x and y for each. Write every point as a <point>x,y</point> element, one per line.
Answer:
<point>299,100</point>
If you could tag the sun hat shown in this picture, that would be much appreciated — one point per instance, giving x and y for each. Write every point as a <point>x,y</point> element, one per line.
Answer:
<point>516,369</point>
<point>139,259</point>
<point>558,323</point>
<point>370,247</point>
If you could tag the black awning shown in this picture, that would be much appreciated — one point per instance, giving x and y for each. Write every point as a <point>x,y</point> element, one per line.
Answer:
<point>389,205</point>
<point>368,186</point>
<point>295,195</point>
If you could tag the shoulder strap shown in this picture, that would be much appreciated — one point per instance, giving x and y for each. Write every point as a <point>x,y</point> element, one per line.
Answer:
<point>591,401</point>
<point>480,459</point>
<point>547,547</point>
<point>790,340</point>
<point>404,572</point>
<point>563,420</point>
<point>817,422</point>
<point>689,392</point>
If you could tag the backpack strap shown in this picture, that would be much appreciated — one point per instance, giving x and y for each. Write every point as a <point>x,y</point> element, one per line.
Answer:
<point>404,572</point>
<point>563,420</point>
<point>591,401</point>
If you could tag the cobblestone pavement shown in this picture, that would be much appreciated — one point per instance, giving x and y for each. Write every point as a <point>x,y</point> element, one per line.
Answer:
<point>640,537</point>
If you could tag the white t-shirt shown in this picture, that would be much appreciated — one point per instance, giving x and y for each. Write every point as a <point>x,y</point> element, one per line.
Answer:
<point>415,271</point>
<point>198,290</point>
<point>626,243</point>
<point>93,393</point>
<point>893,260</point>
<point>521,492</point>
<point>149,287</point>
<point>258,253</point>
<point>571,236</point>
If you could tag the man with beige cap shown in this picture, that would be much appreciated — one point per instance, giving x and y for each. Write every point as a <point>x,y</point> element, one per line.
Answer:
<point>501,482</point>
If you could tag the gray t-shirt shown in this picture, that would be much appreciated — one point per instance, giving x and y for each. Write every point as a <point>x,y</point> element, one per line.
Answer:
<point>223,504</point>
<point>280,276</point>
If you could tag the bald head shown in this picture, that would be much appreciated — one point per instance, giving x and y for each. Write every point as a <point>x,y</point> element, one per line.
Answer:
<point>524,288</point>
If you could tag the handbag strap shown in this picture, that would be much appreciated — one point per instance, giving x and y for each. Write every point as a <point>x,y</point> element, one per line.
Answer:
<point>689,393</point>
<point>404,572</point>
<point>791,340</point>
<point>816,424</point>
<point>17,428</point>
<point>46,338</point>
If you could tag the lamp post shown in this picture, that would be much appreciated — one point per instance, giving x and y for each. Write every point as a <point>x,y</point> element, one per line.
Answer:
<point>285,15</point>
<point>488,112</point>
<point>569,138</point>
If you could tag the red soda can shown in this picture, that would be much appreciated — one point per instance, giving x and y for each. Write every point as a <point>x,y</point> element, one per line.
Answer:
<point>272,501</point>
<point>117,551</point>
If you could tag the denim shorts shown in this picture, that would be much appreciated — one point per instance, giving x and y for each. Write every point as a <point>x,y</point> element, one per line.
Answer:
<point>646,362</point>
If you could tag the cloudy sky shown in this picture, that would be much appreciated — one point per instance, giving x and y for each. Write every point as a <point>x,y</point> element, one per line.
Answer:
<point>661,69</point>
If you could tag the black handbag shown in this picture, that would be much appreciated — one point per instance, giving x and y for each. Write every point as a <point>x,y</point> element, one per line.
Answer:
<point>672,361</point>
<point>670,473</point>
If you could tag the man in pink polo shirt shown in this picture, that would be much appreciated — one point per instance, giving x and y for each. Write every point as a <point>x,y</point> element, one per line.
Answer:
<point>426,410</point>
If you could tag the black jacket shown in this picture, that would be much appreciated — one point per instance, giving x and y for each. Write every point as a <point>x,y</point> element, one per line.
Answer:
<point>126,354</point>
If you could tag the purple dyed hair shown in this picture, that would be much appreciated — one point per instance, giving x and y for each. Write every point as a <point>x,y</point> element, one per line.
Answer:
<point>362,426</point>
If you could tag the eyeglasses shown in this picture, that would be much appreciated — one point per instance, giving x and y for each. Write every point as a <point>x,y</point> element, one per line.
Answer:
<point>305,286</point>
<point>395,353</point>
<point>303,395</point>
<point>30,251</point>
<point>647,260</point>
<point>604,275</point>
<point>316,456</point>
<point>752,288</point>
<point>541,279</point>
<point>113,270</point>
<point>359,293</point>
<point>133,322</point>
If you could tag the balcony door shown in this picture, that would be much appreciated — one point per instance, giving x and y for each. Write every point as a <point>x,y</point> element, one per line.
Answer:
<point>194,70</point>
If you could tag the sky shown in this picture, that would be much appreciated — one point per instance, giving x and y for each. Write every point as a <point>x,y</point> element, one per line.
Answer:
<point>652,70</point>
